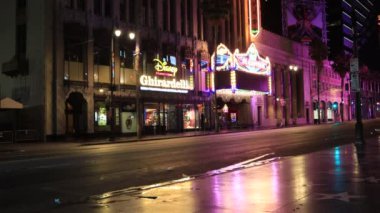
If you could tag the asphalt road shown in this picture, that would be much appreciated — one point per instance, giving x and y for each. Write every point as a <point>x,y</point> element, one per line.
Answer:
<point>41,180</point>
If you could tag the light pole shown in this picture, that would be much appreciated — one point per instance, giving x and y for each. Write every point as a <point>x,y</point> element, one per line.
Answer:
<point>115,34</point>
<point>293,70</point>
<point>136,53</point>
<point>355,83</point>
<point>214,82</point>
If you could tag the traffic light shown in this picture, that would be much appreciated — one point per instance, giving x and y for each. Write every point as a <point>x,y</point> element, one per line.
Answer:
<point>335,106</point>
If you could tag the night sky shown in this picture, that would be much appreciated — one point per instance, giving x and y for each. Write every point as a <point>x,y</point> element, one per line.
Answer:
<point>370,51</point>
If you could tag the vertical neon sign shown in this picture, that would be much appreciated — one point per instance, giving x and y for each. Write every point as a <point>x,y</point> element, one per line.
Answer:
<point>212,79</point>
<point>254,17</point>
<point>233,81</point>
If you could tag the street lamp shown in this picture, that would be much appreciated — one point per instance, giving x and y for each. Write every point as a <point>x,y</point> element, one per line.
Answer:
<point>115,34</point>
<point>293,102</point>
<point>136,54</point>
<point>132,35</point>
<point>293,68</point>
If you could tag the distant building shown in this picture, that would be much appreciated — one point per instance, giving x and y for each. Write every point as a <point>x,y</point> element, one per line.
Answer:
<point>345,17</point>
<point>370,94</point>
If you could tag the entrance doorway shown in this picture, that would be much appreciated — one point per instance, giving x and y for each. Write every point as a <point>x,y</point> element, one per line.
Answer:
<point>259,111</point>
<point>76,114</point>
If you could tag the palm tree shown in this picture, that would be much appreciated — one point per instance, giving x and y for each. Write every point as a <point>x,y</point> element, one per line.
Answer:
<point>215,11</point>
<point>318,52</point>
<point>342,66</point>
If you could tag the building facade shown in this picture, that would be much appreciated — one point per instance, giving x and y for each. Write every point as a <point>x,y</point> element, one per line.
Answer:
<point>168,71</point>
<point>79,78</point>
<point>279,97</point>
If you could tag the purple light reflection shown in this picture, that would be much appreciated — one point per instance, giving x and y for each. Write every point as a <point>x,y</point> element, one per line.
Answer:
<point>217,198</point>
<point>275,182</point>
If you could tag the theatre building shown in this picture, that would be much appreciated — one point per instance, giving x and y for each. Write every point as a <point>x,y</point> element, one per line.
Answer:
<point>239,79</point>
<point>261,79</point>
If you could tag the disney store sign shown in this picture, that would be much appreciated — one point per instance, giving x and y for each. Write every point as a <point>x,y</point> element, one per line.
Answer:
<point>164,80</point>
<point>164,69</point>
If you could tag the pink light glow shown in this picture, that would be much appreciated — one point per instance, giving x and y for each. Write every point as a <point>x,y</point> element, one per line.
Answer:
<point>249,61</point>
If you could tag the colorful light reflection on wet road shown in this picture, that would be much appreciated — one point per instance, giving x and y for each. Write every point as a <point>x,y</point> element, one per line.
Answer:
<point>329,181</point>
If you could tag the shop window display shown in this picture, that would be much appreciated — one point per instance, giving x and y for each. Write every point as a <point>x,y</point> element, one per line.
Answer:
<point>129,119</point>
<point>150,117</point>
<point>189,117</point>
<point>171,117</point>
<point>101,117</point>
<point>129,122</point>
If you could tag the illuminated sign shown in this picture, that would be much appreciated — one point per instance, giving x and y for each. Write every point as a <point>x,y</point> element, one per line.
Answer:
<point>155,84</point>
<point>163,69</point>
<point>233,81</point>
<point>224,58</point>
<point>254,17</point>
<point>237,64</point>
<point>252,62</point>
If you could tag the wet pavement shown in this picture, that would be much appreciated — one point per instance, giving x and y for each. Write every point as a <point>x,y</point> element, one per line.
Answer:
<point>342,179</point>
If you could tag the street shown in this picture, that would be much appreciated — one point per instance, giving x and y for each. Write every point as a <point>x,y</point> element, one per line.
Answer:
<point>38,181</point>
<point>339,180</point>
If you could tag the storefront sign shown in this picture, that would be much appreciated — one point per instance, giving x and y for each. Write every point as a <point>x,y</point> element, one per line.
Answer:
<point>163,69</point>
<point>155,84</point>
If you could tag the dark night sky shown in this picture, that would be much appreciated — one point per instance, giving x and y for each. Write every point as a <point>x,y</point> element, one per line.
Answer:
<point>371,50</point>
<point>271,15</point>
<point>272,21</point>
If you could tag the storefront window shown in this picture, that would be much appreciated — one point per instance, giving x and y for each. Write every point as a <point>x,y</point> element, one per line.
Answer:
<point>129,122</point>
<point>171,117</point>
<point>329,114</point>
<point>150,116</point>
<point>102,116</point>
<point>189,117</point>
<point>129,118</point>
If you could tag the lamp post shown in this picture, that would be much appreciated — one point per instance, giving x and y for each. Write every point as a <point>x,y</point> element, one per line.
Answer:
<point>293,70</point>
<point>115,34</point>
<point>136,54</point>
<point>214,83</point>
<point>355,84</point>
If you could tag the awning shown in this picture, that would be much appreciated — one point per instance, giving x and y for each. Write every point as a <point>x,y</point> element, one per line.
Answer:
<point>8,103</point>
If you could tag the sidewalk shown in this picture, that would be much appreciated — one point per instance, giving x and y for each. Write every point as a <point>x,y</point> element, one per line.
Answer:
<point>335,180</point>
<point>103,140</point>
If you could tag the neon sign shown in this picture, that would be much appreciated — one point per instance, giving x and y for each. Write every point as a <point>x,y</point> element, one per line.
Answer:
<point>163,69</point>
<point>224,58</point>
<point>252,62</point>
<point>156,84</point>
<point>254,17</point>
